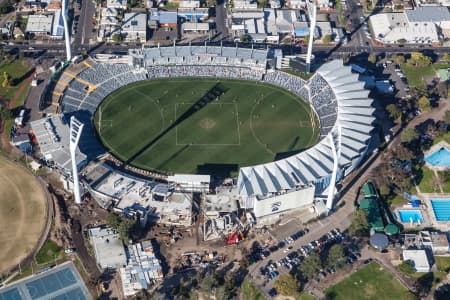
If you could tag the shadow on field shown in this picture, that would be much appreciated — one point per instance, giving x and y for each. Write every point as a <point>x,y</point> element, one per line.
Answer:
<point>282,155</point>
<point>218,170</point>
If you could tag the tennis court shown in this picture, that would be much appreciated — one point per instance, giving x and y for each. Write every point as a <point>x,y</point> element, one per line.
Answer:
<point>62,282</point>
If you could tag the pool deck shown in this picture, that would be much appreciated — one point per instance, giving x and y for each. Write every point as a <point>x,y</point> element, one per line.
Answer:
<point>433,149</point>
<point>427,219</point>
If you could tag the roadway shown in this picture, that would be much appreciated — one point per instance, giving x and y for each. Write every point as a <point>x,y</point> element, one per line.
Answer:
<point>221,25</point>
<point>84,33</point>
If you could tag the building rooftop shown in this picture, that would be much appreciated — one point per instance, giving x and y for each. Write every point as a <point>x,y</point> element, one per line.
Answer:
<point>419,258</point>
<point>53,134</point>
<point>142,269</point>
<point>108,248</point>
<point>133,22</point>
<point>428,14</point>
<point>39,23</point>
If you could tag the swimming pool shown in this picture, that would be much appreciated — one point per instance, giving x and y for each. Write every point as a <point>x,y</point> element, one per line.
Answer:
<point>439,158</point>
<point>409,215</point>
<point>441,208</point>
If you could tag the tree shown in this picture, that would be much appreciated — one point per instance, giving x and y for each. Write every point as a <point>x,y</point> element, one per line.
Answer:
<point>407,267</point>
<point>424,103</point>
<point>372,58</point>
<point>287,285</point>
<point>398,59</point>
<point>401,41</point>
<point>117,37</point>
<point>394,112</point>
<point>311,266</point>
<point>306,39</point>
<point>113,221</point>
<point>124,229</point>
<point>359,225</point>
<point>5,114</point>
<point>403,153</point>
<point>408,135</point>
<point>447,117</point>
<point>5,81</point>
<point>208,283</point>
<point>335,256</point>
<point>244,38</point>
<point>326,39</point>
<point>443,292</point>
<point>446,58</point>
<point>419,60</point>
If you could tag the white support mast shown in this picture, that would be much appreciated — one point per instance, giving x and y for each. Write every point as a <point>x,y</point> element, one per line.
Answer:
<point>332,186</point>
<point>312,12</point>
<point>76,127</point>
<point>64,13</point>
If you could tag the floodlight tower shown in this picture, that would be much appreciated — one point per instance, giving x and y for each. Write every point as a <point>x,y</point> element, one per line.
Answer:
<point>64,14</point>
<point>312,13</point>
<point>76,127</point>
<point>332,187</point>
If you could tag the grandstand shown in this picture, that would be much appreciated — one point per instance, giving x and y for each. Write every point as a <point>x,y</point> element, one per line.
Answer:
<point>345,114</point>
<point>335,94</point>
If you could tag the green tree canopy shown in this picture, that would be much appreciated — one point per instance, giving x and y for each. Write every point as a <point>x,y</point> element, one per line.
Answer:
<point>398,59</point>
<point>447,117</point>
<point>359,225</point>
<point>326,39</point>
<point>408,135</point>
<point>372,58</point>
<point>113,221</point>
<point>125,229</point>
<point>407,267</point>
<point>424,103</point>
<point>117,37</point>
<point>394,112</point>
<point>311,266</point>
<point>287,285</point>
<point>419,60</point>
<point>336,256</point>
<point>446,57</point>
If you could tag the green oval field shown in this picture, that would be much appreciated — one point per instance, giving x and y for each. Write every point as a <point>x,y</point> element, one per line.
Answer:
<point>194,125</point>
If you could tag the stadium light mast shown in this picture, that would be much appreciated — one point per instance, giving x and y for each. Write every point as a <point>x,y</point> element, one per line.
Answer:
<point>64,14</point>
<point>332,187</point>
<point>76,127</point>
<point>312,13</point>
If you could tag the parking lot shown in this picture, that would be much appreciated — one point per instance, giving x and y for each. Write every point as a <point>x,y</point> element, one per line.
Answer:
<point>292,256</point>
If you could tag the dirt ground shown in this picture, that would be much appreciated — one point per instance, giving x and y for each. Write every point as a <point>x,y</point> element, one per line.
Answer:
<point>23,210</point>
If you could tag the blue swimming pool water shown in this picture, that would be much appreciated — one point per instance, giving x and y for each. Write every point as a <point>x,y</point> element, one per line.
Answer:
<point>439,158</point>
<point>441,208</point>
<point>410,215</point>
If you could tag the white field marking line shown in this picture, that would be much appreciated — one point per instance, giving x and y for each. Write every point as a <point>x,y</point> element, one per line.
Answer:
<point>211,145</point>
<point>153,100</point>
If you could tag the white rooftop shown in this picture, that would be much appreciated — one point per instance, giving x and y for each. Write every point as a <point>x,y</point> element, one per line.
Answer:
<point>419,258</point>
<point>39,24</point>
<point>108,248</point>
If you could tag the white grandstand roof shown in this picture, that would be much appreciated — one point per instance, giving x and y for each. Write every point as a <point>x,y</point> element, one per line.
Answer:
<point>351,133</point>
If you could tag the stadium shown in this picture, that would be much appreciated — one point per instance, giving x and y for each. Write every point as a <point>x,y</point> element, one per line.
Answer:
<point>339,113</point>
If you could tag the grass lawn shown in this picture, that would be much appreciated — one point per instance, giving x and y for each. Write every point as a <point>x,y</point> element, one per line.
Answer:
<point>49,251</point>
<point>15,70</point>
<point>370,282</point>
<point>305,296</point>
<point>416,76</point>
<point>427,182</point>
<point>211,126</point>
<point>442,263</point>
<point>251,292</point>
